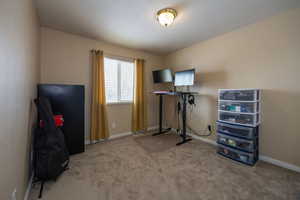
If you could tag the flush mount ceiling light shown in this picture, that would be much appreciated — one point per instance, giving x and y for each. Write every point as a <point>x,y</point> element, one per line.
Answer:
<point>166,16</point>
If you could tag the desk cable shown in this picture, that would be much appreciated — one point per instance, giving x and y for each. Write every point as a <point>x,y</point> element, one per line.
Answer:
<point>205,134</point>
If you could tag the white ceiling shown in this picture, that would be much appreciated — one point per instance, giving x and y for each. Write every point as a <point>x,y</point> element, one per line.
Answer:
<point>132,23</point>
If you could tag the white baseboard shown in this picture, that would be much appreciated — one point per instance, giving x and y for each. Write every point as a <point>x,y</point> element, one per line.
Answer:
<point>152,128</point>
<point>114,136</point>
<point>261,157</point>
<point>279,163</point>
<point>118,135</point>
<point>202,139</point>
<point>27,193</point>
<point>87,142</point>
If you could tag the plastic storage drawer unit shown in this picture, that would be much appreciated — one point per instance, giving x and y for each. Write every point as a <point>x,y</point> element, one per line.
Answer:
<point>239,95</point>
<point>244,157</point>
<point>244,107</point>
<point>237,131</point>
<point>238,143</point>
<point>239,118</point>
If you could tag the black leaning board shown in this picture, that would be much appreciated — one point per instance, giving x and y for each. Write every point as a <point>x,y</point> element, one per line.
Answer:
<point>68,100</point>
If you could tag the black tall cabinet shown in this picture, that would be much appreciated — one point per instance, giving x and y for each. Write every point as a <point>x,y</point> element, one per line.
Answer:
<point>68,100</point>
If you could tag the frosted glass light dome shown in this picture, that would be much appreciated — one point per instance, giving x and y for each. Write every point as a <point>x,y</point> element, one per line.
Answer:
<point>166,16</point>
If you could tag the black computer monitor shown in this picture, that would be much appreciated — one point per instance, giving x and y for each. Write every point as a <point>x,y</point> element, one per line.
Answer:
<point>185,78</point>
<point>162,76</point>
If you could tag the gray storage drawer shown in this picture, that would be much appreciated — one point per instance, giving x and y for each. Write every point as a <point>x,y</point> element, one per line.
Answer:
<point>238,143</point>
<point>247,158</point>
<point>244,107</point>
<point>239,95</point>
<point>239,118</point>
<point>238,131</point>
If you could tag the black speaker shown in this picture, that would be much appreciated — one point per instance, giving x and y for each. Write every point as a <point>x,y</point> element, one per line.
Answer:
<point>68,100</point>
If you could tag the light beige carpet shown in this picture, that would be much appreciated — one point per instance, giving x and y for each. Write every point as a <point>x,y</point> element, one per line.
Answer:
<point>154,168</point>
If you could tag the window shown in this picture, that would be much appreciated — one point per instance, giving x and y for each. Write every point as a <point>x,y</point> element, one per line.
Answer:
<point>119,79</point>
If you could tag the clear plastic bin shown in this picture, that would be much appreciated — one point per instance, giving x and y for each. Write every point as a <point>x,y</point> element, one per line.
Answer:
<point>251,107</point>
<point>237,131</point>
<point>239,118</point>
<point>247,158</point>
<point>238,143</point>
<point>239,95</point>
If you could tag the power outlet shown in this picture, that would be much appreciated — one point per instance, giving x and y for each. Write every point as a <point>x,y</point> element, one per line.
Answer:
<point>113,125</point>
<point>209,128</point>
<point>14,194</point>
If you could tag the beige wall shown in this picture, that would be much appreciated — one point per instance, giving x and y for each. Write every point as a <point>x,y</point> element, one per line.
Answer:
<point>264,55</point>
<point>65,59</point>
<point>19,37</point>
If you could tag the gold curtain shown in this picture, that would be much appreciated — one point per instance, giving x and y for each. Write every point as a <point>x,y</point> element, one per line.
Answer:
<point>139,114</point>
<point>99,124</point>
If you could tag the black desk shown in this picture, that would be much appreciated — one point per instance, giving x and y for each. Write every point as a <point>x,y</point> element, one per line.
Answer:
<point>182,95</point>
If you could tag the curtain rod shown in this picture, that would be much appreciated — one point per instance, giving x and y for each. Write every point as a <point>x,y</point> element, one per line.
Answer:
<point>116,56</point>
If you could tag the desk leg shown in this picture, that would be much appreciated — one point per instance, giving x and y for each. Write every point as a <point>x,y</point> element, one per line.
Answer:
<point>160,112</point>
<point>183,135</point>
<point>161,131</point>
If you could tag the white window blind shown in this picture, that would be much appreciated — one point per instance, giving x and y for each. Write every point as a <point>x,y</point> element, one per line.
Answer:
<point>119,79</point>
